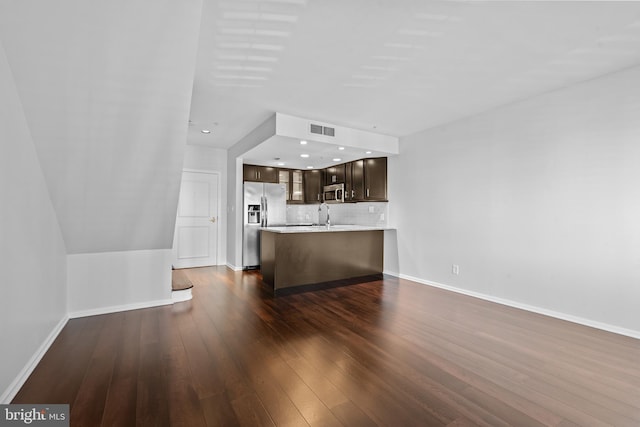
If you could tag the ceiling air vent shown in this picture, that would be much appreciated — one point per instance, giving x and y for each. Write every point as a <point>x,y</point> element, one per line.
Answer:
<point>317,129</point>
<point>322,130</point>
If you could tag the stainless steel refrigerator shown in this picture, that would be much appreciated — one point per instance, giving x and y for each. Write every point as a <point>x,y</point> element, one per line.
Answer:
<point>265,205</point>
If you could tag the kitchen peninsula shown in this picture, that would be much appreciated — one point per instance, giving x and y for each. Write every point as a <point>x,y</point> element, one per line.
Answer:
<point>297,257</point>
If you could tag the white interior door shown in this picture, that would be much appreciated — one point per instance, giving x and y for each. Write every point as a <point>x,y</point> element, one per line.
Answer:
<point>195,240</point>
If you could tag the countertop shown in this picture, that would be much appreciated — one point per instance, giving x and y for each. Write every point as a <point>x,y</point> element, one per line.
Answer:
<point>321,228</point>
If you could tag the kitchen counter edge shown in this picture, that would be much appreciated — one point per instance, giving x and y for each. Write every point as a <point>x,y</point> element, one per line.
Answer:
<point>322,229</point>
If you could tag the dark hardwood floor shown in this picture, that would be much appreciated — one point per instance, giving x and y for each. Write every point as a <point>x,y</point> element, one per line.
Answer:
<point>387,352</point>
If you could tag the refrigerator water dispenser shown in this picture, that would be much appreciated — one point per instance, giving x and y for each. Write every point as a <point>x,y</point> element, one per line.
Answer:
<point>253,214</point>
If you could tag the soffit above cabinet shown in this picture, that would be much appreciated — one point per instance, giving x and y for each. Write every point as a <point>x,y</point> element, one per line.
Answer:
<point>284,148</point>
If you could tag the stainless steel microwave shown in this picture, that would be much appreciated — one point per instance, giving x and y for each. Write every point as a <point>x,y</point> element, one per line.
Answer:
<point>333,193</point>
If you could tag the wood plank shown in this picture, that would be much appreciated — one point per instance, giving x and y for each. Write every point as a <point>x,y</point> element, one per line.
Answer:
<point>180,280</point>
<point>251,412</point>
<point>218,411</point>
<point>185,408</point>
<point>59,375</point>
<point>120,405</point>
<point>153,391</point>
<point>88,407</point>
<point>382,352</point>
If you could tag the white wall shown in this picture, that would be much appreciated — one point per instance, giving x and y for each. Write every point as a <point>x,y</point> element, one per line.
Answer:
<point>32,251</point>
<point>537,202</point>
<point>208,159</point>
<point>107,282</point>
<point>234,187</point>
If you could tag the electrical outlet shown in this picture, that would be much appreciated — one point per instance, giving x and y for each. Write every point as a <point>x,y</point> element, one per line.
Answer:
<point>381,217</point>
<point>455,269</point>
<point>371,209</point>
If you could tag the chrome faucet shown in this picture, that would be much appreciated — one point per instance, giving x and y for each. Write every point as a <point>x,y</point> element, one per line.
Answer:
<point>320,210</point>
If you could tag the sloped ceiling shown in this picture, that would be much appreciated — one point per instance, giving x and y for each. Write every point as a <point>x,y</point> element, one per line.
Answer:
<point>107,86</point>
<point>396,66</point>
<point>106,89</point>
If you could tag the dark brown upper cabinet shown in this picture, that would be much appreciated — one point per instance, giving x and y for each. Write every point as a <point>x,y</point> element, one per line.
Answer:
<point>334,174</point>
<point>292,178</point>
<point>313,180</point>
<point>354,182</point>
<point>259,173</point>
<point>366,180</point>
<point>375,179</point>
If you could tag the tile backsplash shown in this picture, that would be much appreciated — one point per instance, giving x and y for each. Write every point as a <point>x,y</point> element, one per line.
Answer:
<point>362,213</point>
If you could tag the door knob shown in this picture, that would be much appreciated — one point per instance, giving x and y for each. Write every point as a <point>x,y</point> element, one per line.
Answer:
<point>213,219</point>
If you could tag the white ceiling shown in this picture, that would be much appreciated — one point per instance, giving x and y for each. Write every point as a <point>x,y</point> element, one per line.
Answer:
<point>395,66</point>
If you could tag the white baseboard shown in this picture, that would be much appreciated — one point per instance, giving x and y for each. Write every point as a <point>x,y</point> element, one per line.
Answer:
<point>118,308</point>
<point>558,315</point>
<point>181,295</point>
<point>233,267</point>
<point>22,377</point>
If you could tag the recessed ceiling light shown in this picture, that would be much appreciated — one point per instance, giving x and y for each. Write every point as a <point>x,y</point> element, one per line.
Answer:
<point>367,152</point>
<point>280,164</point>
<point>336,159</point>
<point>303,142</point>
<point>205,131</point>
<point>304,156</point>
<point>309,167</point>
<point>340,148</point>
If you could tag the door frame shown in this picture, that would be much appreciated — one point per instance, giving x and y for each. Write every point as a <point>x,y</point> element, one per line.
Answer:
<point>217,213</point>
